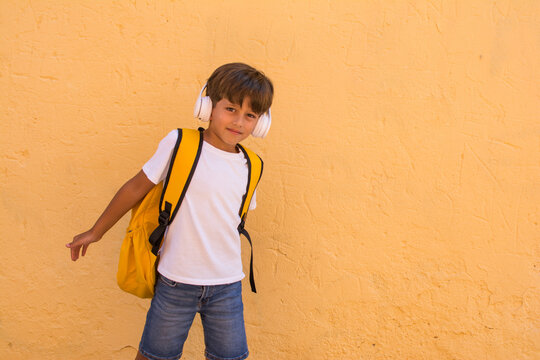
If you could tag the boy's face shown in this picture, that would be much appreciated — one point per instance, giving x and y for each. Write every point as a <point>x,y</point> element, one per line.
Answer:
<point>230,123</point>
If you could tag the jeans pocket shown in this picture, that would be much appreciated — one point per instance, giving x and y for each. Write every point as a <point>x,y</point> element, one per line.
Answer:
<point>166,281</point>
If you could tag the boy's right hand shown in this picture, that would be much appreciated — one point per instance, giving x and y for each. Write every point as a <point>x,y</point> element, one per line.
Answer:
<point>82,240</point>
<point>128,195</point>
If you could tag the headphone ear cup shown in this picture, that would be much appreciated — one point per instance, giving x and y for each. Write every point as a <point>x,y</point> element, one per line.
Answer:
<point>203,108</point>
<point>263,125</point>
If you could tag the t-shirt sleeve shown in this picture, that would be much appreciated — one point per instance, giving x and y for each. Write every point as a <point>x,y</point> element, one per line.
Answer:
<point>156,168</point>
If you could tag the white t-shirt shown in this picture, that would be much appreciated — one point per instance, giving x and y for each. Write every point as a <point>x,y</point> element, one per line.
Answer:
<point>202,244</point>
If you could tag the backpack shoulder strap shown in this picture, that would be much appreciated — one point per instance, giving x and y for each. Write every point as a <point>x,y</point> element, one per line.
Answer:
<point>184,159</point>
<point>255,168</point>
<point>181,170</point>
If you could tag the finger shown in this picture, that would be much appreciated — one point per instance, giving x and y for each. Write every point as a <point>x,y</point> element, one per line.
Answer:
<point>75,253</point>
<point>73,242</point>
<point>84,249</point>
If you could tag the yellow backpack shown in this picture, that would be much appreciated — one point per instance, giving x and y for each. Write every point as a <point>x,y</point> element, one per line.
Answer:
<point>152,215</point>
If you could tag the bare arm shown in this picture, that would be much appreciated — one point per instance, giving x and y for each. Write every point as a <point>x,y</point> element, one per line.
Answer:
<point>128,195</point>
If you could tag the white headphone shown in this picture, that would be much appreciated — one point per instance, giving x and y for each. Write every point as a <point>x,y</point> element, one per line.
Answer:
<point>203,110</point>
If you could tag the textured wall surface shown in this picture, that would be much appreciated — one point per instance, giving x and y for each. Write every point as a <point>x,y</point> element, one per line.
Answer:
<point>398,214</point>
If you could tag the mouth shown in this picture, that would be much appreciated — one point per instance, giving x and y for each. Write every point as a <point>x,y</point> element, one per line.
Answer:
<point>234,131</point>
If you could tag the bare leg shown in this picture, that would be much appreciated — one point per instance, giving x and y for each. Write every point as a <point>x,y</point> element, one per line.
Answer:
<point>140,356</point>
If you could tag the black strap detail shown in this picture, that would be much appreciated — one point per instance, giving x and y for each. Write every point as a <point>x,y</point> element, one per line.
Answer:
<point>244,232</point>
<point>241,228</point>
<point>248,160</point>
<point>157,235</point>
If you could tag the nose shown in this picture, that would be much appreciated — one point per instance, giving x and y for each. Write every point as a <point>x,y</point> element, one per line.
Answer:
<point>238,119</point>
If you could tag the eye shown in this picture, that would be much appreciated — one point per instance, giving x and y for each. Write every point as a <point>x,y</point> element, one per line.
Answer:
<point>231,109</point>
<point>253,116</point>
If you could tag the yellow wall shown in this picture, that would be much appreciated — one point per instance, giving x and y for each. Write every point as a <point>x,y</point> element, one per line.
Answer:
<point>398,213</point>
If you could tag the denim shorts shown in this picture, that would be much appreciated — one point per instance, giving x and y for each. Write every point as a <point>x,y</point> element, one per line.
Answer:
<point>173,309</point>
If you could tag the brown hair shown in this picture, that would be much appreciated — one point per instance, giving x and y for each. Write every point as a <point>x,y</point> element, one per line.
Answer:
<point>236,81</point>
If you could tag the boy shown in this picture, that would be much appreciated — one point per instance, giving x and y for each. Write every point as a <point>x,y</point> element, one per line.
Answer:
<point>200,266</point>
